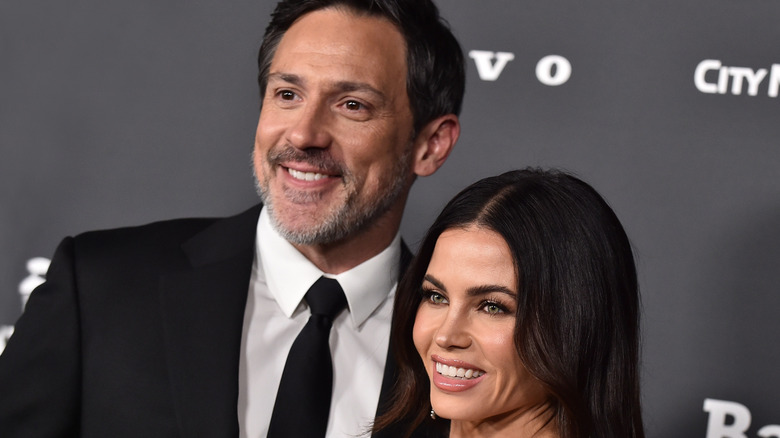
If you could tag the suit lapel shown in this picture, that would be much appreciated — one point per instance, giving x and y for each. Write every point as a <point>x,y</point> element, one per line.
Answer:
<point>203,311</point>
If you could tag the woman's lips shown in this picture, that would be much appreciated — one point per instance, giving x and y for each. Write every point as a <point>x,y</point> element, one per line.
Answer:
<point>459,372</point>
<point>453,375</point>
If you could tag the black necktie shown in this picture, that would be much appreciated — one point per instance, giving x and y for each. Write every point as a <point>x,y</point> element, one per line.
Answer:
<point>303,401</point>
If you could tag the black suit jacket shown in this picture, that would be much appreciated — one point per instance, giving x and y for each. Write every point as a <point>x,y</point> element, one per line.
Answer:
<point>136,333</point>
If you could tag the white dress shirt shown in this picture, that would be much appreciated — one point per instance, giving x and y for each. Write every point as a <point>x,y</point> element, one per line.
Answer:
<point>275,314</point>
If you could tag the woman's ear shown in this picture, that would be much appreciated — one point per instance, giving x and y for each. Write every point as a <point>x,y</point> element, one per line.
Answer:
<point>434,144</point>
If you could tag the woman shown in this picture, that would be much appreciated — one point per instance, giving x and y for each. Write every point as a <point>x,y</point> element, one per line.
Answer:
<point>520,316</point>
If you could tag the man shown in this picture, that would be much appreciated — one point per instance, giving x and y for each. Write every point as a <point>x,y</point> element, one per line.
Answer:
<point>150,331</point>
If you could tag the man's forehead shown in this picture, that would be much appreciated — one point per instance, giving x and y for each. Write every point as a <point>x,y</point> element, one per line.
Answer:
<point>343,50</point>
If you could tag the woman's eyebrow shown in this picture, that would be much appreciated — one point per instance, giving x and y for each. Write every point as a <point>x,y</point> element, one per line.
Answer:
<point>434,281</point>
<point>489,288</point>
<point>476,290</point>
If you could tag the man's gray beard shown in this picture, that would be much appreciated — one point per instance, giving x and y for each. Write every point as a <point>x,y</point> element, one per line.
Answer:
<point>345,221</point>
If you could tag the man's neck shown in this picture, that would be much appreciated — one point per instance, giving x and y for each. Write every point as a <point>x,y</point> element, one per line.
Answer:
<point>337,257</point>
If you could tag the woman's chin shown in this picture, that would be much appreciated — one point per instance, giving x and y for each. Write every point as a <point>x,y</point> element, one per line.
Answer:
<point>457,411</point>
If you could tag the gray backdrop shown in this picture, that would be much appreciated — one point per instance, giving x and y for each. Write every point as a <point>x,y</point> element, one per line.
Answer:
<point>119,112</point>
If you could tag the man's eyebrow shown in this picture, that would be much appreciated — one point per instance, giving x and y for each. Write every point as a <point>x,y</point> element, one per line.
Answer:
<point>286,77</point>
<point>342,86</point>
<point>358,86</point>
<point>476,290</point>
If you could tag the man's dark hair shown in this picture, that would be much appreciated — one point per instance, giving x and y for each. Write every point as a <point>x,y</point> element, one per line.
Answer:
<point>435,68</point>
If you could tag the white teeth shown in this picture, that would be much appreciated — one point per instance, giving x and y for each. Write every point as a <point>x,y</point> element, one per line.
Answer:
<point>461,373</point>
<point>306,176</point>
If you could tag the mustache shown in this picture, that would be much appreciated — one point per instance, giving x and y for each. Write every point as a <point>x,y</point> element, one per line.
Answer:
<point>318,158</point>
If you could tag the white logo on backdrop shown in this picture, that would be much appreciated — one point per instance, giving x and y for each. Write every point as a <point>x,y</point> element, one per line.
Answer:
<point>552,70</point>
<point>36,268</point>
<point>731,420</point>
<point>487,69</point>
<point>712,77</point>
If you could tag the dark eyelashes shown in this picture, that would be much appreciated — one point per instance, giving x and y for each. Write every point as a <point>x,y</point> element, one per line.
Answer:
<point>425,291</point>
<point>501,307</point>
<point>428,294</point>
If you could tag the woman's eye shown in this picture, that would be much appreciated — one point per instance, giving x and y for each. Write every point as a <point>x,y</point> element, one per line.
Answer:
<point>432,297</point>
<point>437,298</point>
<point>493,308</point>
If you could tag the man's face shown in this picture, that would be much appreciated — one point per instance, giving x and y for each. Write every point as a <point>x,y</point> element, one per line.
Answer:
<point>334,141</point>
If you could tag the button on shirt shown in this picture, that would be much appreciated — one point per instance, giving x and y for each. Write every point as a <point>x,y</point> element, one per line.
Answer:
<point>276,313</point>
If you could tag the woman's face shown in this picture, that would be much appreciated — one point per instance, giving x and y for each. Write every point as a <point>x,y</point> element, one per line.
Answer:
<point>464,330</point>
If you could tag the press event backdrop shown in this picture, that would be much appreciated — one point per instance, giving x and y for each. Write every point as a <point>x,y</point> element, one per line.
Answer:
<point>121,112</point>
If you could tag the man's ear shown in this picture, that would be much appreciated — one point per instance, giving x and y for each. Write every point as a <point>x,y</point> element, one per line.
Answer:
<point>434,144</point>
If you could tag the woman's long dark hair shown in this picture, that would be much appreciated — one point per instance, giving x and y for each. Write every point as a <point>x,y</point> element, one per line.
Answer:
<point>577,328</point>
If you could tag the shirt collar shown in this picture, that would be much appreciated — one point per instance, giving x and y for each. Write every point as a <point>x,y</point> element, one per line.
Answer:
<point>289,274</point>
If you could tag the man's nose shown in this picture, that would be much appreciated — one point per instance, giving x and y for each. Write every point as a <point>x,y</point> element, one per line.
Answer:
<point>310,128</point>
<point>454,330</point>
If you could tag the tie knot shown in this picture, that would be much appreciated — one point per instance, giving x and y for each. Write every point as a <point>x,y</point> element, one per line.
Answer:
<point>326,298</point>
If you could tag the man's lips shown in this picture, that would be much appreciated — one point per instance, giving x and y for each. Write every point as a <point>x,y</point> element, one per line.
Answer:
<point>308,175</point>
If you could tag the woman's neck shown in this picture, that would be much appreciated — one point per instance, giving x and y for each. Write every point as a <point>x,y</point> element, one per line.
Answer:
<point>523,426</point>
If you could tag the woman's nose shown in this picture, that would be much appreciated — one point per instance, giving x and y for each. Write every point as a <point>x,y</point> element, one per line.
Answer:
<point>454,330</point>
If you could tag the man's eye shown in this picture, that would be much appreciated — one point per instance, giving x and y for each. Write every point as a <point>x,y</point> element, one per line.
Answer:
<point>353,105</point>
<point>287,95</point>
